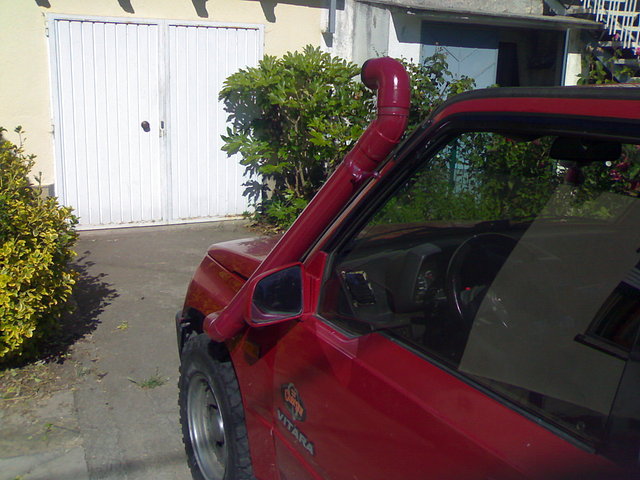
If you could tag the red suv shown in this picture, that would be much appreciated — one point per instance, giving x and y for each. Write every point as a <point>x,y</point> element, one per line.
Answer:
<point>463,306</point>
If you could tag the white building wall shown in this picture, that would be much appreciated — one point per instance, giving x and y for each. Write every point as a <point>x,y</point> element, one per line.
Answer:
<point>340,43</point>
<point>371,32</point>
<point>404,37</point>
<point>364,31</point>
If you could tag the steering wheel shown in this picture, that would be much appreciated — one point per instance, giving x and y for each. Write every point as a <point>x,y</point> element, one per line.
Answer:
<point>471,271</point>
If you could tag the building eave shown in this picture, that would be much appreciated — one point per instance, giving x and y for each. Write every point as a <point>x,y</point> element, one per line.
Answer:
<point>439,14</point>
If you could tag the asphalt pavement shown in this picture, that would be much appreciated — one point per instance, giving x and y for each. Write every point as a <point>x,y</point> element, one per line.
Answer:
<point>118,418</point>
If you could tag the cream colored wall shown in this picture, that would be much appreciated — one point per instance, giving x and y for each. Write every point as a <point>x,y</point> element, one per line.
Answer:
<point>25,95</point>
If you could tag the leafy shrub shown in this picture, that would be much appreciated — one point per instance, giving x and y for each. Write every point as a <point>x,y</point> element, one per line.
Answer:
<point>479,176</point>
<point>487,176</point>
<point>601,70</point>
<point>36,237</point>
<point>284,209</point>
<point>295,118</point>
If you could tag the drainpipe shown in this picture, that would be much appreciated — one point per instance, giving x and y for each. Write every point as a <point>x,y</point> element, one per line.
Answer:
<point>391,81</point>
<point>332,16</point>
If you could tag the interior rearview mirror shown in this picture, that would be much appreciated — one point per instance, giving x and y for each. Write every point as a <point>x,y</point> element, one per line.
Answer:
<point>579,150</point>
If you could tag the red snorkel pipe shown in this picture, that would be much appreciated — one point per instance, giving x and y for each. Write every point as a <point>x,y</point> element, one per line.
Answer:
<point>391,81</point>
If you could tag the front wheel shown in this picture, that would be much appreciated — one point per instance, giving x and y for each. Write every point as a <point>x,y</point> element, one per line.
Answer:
<point>211,414</point>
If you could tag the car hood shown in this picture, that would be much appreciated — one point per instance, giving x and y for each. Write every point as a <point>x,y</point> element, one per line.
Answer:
<point>243,256</point>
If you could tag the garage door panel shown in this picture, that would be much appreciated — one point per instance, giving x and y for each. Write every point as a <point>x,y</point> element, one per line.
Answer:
<point>207,182</point>
<point>108,78</point>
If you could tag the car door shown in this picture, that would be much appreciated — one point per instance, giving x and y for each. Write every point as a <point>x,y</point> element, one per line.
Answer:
<point>459,330</point>
<point>346,408</point>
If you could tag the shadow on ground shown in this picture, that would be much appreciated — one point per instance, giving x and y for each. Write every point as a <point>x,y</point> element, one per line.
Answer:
<point>32,376</point>
<point>91,295</point>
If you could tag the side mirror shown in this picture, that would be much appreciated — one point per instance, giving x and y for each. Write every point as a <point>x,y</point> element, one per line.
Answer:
<point>276,296</point>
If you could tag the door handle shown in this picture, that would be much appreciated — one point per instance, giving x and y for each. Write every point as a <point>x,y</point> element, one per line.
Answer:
<point>145,126</point>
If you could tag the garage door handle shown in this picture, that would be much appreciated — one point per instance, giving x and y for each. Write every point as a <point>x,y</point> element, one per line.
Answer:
<point>145,126</point>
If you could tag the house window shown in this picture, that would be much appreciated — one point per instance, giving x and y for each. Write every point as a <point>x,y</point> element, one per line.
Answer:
<point>508,57</point>
<point>470,51</point>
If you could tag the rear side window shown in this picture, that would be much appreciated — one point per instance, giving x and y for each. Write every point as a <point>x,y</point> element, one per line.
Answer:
<point>514,263</point>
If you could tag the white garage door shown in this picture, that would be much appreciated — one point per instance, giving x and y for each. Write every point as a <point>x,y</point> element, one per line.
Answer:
<point>138,121</point>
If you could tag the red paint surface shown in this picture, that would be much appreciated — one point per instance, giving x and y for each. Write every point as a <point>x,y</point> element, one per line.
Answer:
<point>243,256</point>
<point>548,106</point>
<point>374,410</point>
<point>212,287</point>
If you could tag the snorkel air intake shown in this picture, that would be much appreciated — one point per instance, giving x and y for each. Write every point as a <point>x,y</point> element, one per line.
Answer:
<point>391,81</point>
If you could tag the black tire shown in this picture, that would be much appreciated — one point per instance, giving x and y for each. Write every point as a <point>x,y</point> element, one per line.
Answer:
<point>211,414</point>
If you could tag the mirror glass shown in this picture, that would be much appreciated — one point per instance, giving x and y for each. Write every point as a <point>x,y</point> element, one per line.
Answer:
<point>278,296</point>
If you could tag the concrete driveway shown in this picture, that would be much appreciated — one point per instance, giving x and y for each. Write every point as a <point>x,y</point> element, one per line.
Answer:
<point>118,418</point>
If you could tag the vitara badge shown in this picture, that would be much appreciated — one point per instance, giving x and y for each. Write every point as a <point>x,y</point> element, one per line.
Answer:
<point>293,402</point>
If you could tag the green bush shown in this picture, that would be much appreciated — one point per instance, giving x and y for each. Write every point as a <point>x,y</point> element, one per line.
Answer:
<point>36,238</point>
<point>295,118</point>
<point>601,70</point>
<point>479,176</point>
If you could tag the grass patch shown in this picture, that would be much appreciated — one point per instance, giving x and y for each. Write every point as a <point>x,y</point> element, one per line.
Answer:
<point>152,382</point>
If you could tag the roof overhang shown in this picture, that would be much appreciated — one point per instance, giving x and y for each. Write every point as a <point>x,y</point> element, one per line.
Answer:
<point>438,14</point>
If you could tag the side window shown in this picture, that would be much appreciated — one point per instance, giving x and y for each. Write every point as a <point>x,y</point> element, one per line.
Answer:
<point>513,263</point>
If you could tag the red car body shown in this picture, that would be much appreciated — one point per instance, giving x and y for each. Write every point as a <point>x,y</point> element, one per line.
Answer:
<point>322,404</point>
